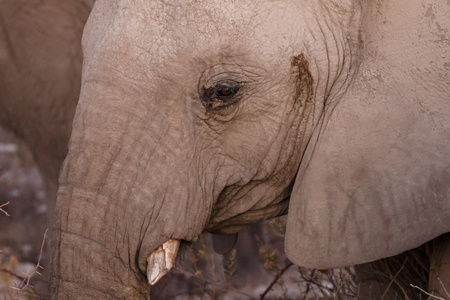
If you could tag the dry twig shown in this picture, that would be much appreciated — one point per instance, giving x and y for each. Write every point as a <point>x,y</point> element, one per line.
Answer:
<point>431,295</point>
<point>308,283</point>
<point>394,280</point>
<point>428,294</point>
<point>25,284</point>
<point>279,275</point>
<point>443,287</point>
<point>3,211</point>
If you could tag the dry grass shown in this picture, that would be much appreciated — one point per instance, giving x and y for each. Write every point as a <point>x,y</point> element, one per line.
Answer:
<point>264,274</point>
<point>433,296</point>
<point>19,285</point>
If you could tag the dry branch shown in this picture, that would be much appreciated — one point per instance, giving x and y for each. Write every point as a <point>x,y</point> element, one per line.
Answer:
<point>3,211</point>
<point>25,284</point>
<point>279,275</point>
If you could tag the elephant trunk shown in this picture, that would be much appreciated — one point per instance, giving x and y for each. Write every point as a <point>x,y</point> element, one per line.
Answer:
<point>117,204</point>
<point>84,257</point>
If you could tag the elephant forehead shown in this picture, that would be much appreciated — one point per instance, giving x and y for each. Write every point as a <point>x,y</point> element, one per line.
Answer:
<point>165,29</point>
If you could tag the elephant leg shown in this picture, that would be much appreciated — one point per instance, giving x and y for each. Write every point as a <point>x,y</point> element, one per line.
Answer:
<point>439,281</point>
<point>392,277</point>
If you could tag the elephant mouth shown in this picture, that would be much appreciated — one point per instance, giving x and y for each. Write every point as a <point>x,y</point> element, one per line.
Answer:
<point>160,261</point>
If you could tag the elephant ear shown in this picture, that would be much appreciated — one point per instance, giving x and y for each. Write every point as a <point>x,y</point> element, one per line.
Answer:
<point>375,177</point>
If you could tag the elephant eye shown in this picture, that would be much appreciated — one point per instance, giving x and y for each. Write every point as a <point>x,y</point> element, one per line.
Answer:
<point>225,90</point>
<point>221,95</point>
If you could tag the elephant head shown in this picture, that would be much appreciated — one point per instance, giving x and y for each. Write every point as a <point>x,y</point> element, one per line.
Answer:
<point>209,115</point>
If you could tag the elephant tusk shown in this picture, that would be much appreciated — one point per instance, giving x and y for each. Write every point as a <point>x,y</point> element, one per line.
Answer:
<point>160,261</point>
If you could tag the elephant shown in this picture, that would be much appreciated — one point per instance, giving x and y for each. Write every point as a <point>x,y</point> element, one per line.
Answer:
<point>210,115</point>
<point>40,78</point>
<point>40,59</point>
<point>201,116</point>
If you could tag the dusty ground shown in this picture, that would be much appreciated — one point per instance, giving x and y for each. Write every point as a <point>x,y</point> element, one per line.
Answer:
<point>257,266</point>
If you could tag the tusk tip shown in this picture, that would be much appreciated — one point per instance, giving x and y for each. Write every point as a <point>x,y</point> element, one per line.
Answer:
<point>160,261</point>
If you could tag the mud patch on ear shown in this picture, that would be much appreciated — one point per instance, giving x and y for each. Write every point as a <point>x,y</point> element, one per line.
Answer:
<point>303,80</point>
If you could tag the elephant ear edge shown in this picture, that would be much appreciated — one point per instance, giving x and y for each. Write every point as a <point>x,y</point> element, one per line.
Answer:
<point>374,178</point>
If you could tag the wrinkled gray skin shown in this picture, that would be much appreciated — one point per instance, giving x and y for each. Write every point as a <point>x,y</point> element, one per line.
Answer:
<point>345,101</point>
<point>356,91</point>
